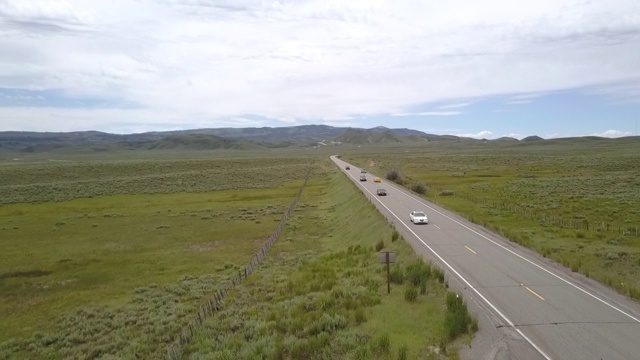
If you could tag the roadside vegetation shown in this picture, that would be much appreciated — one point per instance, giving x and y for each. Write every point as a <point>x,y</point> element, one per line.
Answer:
<point>116,271</point>
<point>321,294</point>
<point>575,201</point>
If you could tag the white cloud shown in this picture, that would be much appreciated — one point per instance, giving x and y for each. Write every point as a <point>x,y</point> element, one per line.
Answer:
<point>484,134</point>
<point>314,60</point>
<point>518,102</point>
<point>622,92</point>
<point>613,134</point>
<point>428,113</point>
<point>455,105</point>
<point>122,121</point>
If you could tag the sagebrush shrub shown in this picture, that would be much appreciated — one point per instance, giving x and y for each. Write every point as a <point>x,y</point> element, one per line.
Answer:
<point>419,188</point>
<point>411,293</point>
<point>380,245</point>
<point>395,176</point>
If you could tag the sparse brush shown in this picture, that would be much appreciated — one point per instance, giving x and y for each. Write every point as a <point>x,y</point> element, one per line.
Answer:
<point>419,188</point>
<point>395,176</point>
<point>410,293</point>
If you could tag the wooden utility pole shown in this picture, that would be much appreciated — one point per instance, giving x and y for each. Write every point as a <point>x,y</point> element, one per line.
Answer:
<point>388,257</point>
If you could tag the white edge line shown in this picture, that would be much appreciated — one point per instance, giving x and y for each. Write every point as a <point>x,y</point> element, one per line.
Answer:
<point>455,272</point>
<point>527,260</point>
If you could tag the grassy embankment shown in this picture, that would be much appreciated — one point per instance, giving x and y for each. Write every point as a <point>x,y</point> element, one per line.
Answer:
<point>117,276</point>
<point>575,201</point>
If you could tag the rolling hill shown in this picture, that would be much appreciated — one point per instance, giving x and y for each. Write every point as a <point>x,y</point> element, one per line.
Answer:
<point>247,139</point>
<point>361,136</point>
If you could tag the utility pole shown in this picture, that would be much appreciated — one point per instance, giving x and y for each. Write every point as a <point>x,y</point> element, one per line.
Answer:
<point>388,257</point>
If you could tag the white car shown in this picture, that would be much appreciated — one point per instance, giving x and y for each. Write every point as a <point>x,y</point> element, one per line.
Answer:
<point>418,217</point>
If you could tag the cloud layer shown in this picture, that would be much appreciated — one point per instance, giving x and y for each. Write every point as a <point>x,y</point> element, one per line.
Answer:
<point>130,65</point>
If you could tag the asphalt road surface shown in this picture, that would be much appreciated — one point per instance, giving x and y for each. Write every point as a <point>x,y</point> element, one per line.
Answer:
<point>528,307</point>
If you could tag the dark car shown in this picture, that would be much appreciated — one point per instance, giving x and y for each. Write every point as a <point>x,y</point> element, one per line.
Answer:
<point>348,167</point>
<point>382,192</point>
<point>363,178</point>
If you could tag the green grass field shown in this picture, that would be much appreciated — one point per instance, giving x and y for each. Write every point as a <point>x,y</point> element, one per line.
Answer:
<point>321,294</point>
<point>117,269</point>
<point>574,201</point>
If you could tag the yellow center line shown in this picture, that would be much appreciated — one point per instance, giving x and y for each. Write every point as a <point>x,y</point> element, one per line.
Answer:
<point>468,248</point>
<point>533,292</point>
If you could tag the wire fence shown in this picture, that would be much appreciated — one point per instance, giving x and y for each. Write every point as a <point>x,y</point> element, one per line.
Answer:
<point>214,303</point>
<point>546,219</point>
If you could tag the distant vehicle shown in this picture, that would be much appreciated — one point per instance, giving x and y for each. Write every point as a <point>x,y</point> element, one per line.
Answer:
<point>364,171</point>
<point>382,192</point>
<point>348,167</point>
<point>363,178</point>
<point>418,217</point>
<point>377,180</point>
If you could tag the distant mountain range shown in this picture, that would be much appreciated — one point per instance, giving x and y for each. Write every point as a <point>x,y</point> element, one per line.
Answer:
<point>207,139</point>
<point>223,138</point>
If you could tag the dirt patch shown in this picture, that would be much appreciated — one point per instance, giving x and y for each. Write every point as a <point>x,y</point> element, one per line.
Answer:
<point>371,163</point>
<point>205,246</point>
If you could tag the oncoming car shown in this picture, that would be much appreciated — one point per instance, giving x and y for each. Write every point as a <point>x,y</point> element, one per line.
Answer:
<point>348,167</point>
<point>363,178</point>
<point>418,217</point>
<point>381,192</point>
<point>364,171</point>
<point>377,180</point>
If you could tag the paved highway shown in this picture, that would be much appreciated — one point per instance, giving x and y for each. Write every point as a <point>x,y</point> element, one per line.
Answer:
<point>529,307</point>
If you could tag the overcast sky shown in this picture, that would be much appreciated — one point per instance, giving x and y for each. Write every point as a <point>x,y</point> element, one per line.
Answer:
<point>486,68</point>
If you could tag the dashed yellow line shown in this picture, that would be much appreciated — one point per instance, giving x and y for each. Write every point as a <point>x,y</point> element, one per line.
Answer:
<point>533,292</point>
<point>470,249</point>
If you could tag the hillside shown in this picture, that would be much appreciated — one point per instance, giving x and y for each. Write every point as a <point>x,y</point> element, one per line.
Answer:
<point>192,142</point>
<point>361,137</point>
<point>296,134</point>
<point>201,139</point>
<point>532,138</point>
<point>250,139</point>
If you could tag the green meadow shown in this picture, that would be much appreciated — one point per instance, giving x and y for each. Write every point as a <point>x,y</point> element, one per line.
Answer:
<point>110,258</point>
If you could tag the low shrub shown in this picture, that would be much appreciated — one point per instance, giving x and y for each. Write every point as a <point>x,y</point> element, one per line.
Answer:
<point>411,293</point>
<point>612,256</point>
<point>397,275</point>
<point>359,316</point>
<point>457,320</point>
<point>395,176</point>
<point>381,345</point>
<point>418,273</point>
<point>419,188</point>
<point>403,353</point>
<point>439,275</point>
<point>380,245</point>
